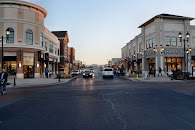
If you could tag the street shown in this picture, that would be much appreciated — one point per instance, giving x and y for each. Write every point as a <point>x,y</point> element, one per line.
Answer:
<point>101,104</point>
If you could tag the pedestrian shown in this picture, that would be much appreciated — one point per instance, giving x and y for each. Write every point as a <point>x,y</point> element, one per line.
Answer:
<point>154,72</point>
<point>46,72</point>
<point>49,73</point>
<point>4,77</point>
<point>160,71</point>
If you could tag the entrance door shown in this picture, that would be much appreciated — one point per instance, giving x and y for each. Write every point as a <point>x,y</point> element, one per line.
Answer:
<point>28,71</point>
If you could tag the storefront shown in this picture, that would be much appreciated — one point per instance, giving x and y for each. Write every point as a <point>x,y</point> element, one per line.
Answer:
<point>152,63</point>
<point>173,63</point>
<point>10,65</point>
<point>28,65</point>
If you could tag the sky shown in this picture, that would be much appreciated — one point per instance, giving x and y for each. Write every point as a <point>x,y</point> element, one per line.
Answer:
<point>98,29</point>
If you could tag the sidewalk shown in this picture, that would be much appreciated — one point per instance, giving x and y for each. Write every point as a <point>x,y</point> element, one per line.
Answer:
<point>158,79</point>
<point>35,82</point>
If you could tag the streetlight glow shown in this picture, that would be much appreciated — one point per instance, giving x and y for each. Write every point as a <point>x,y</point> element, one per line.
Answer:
<point>180,35</point>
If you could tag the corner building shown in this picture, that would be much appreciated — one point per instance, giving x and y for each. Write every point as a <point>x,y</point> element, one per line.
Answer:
<point>159,46</point>
<point>30,47</point>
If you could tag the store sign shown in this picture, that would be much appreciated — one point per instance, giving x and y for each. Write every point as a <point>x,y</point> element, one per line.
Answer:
<point>173,52</point>
<point>150,53</point>
<point>28,60</point>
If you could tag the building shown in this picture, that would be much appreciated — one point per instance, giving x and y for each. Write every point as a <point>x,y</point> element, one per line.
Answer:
<point>159,45</point>
<point>30,47</point>
<point>64,40</point>
<point>72,55</point>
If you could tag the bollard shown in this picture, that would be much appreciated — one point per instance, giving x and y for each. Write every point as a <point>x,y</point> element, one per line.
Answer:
<point>171,77</point>
<point>137,76</point>
<point>59,77</point>
<point>14,81</point>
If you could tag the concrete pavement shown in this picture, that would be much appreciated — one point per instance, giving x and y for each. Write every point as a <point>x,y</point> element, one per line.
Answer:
<point>35,82</point>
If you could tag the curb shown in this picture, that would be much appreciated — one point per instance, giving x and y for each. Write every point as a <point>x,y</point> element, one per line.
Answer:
<point>41,85</point>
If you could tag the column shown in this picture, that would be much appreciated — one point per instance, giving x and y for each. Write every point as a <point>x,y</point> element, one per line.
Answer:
<point>36,66</point>
<point>19,62</point>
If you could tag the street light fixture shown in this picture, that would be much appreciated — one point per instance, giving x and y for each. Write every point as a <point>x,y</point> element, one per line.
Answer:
<point>7,34</point>
<point>184,40</point>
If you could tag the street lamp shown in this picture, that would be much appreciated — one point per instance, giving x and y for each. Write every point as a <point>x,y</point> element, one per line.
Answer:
<point>7,34</point>
<point>184,40</point>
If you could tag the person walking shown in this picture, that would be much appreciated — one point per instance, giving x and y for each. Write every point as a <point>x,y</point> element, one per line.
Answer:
<point>4,77</point>
<point>154,72</point>
<point>160,71</point>
<point>46,72</point>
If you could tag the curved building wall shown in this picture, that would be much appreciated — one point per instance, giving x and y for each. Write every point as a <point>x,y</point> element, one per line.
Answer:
<point>19,54</point>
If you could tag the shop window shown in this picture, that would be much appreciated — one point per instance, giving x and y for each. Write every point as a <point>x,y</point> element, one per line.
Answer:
<point>168,60</point>
<point>10,37</point>
<point>179,60</point>
<point>10,67</point>
<point>165,60</point>
<point>174,60</point>
<point>173,41</point>
<point>29,37</point>
<point>168,41</point>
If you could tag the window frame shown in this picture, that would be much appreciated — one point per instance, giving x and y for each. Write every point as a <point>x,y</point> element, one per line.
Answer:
<point>30,40</point>
<point>174,41</point>
<point>168,41</point>
<point>8,36</point>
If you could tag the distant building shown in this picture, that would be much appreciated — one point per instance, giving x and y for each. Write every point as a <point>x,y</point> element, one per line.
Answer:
<point>116,61</point>
<point>64,40</point>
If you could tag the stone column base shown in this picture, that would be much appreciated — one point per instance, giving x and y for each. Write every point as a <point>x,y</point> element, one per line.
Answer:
<point>20,76</point>
<point>37,75</point>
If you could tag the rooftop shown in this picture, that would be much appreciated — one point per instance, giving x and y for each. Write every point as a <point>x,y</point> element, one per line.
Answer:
<point>168,16</point>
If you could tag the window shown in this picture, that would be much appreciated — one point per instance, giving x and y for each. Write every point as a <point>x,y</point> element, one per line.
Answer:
<point>153,42</point>
<point>66,51</point>
<point>193,42</point>
<point>55,50</point>
<point>10,37</point>
<point>29,37</point>
<point>41,39</point>
<point>147,44</point>
<point>179,42</point>
<point>173,41</point>
<point>51,47</point>
<point>140,47</point>
<point>45,45</point>
<point>150,44</point>
<point>168,41</point>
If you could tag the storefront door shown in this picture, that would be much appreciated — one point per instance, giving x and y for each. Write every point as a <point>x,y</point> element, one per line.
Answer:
<point>28,71</point>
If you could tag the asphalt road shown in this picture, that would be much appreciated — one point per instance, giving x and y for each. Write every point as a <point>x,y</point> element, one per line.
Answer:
<point>101,104</point>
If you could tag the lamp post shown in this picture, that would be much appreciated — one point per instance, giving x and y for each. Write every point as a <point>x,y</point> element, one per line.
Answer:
<point>184,40</point>
<point>7,34</point>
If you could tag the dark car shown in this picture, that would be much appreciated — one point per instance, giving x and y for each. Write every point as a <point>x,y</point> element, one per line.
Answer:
<point>87,74</point>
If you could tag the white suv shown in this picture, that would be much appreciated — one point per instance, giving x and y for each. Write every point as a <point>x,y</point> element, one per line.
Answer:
<point>108,72</point>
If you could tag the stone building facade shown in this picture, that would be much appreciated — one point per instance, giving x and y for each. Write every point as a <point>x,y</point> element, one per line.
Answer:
<point>30,47</point>
<point>159,46</point>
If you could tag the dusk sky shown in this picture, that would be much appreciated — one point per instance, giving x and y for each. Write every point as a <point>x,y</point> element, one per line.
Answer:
<point>98,29</point>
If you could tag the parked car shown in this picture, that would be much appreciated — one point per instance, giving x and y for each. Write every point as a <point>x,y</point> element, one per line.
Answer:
<point>192,75</point>
<point>108,72</point>
<point>92,70</point>
<point>75,72</point>
<point>120,71</point>
<point>87,74</point>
